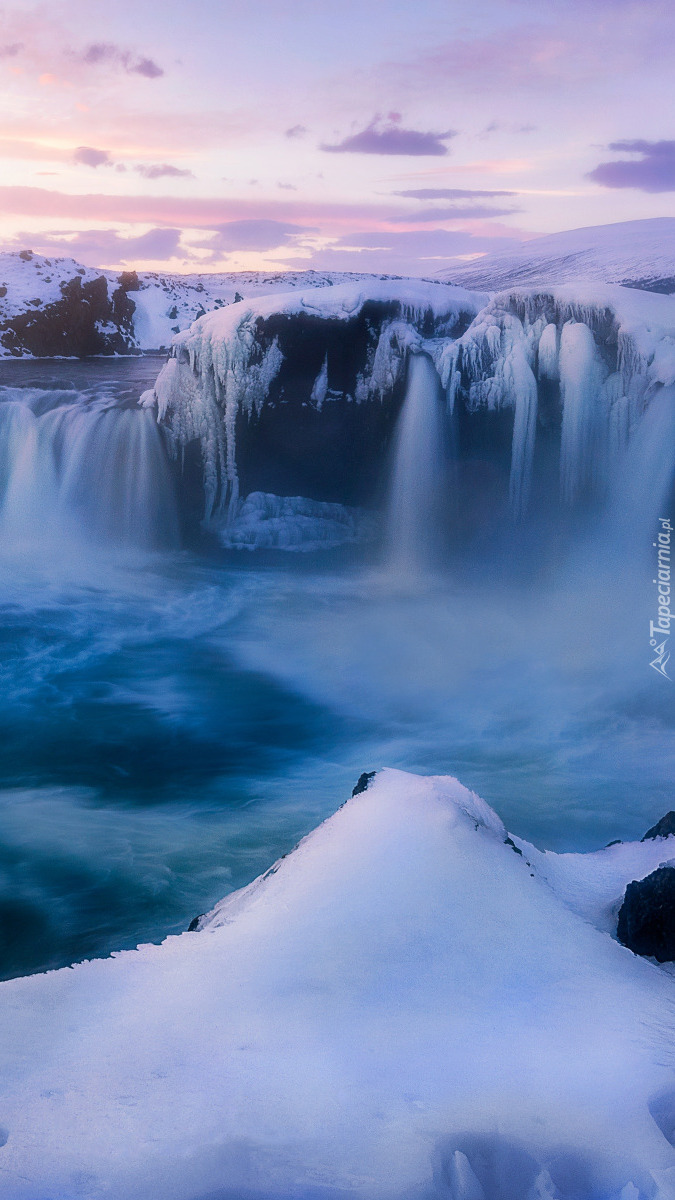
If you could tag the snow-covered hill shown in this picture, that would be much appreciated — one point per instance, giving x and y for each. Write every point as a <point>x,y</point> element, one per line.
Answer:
<point>55,306</point>
<point>634,253</point>
<point>407,1007</point>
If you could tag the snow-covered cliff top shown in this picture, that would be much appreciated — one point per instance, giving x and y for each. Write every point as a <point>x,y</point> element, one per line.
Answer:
<point>405,1006</point>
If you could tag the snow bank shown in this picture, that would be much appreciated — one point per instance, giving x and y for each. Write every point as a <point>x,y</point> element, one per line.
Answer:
<point>404,1007</point>
<point>222,368</point>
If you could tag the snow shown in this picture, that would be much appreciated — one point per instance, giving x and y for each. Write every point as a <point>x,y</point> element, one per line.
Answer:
<point>637,252</point>
<point>404,1008</point>
<point>267,522</point>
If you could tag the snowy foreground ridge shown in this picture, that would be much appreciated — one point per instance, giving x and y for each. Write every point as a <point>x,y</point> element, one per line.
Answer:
<point>404,1008</point>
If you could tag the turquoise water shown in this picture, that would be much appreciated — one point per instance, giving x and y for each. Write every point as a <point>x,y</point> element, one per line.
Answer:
<point>173,720</point>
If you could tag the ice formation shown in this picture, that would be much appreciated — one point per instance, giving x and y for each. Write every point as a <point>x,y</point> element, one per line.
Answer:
<point>407,1007</point>
<point>610,350</point>
<point>223,366</point>
<point>267,522</point>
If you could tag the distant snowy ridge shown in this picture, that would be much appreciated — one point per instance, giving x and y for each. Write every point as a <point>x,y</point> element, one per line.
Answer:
<point>56,307</point>
<point>638,254</point>
<point>408,1006</point>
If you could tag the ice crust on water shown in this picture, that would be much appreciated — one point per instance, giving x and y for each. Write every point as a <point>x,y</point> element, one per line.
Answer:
<point>267,522</point>
<point>403,1008</point>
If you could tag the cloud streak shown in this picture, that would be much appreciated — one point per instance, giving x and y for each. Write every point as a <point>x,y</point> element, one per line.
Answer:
<point>392,138</point>
<point>110,54</point>
<point>451,193</point>
<point>652,171</point>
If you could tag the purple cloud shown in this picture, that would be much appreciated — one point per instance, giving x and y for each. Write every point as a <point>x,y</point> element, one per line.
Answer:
<point>654,171</point>
<point>414,252</point>
<point>254,234</point>
<point>89,157</point>
<point>109,52</point>
<point>450,193</point>
<point>392,139</point>
<point>146,67</point>
<point>455,213</point>
<point>160,170</point>
<point>296,131</point>
<point>97,247</point>
<point>12,50</point>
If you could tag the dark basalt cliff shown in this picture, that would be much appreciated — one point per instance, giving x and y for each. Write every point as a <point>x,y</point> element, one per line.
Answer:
<point>86,320</point>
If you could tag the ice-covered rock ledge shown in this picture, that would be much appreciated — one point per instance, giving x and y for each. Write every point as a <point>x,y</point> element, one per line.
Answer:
<point>297,392</point>
<point>585,357</point>
<point>407,1007</point>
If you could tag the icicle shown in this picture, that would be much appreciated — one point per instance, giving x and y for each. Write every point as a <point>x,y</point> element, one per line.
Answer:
<point>321,385</point>
<point>548,354</point>
<point>523,386</point>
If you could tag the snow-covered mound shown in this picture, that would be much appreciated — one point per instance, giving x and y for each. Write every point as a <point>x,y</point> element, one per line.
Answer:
<point>266,522</point>
<point>284,386</point>
<point>407,1007</point>
<point>56,307</point>
<point>634,253</point>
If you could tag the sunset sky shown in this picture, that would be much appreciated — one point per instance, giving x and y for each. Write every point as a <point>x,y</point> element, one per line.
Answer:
<point>342,134</point>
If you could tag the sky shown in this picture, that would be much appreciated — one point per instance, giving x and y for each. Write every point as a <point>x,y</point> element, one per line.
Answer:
<point>365,135</point>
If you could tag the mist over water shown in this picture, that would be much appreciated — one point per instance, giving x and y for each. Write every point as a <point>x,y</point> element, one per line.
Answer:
<point>172,720</point>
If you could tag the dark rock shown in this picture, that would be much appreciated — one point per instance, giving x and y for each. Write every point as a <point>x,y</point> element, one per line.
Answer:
<point>84,321</point>
<point>26,255</point>
<point>663,828</point>
<point>616,842</point>
<point>647,916</point>
<point>129,281</point>
<point>363,782</point>
<point>194,924</point>
<point>509,842</point>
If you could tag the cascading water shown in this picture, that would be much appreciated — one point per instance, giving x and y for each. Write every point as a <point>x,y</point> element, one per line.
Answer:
<point>644,477</point>
<point>78,467</point>
<point>413,517</point>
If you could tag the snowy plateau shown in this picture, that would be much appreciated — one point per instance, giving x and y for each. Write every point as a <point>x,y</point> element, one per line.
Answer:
<point>409,1005</point>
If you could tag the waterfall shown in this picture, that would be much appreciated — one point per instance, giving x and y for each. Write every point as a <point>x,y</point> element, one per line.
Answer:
<point>83,470</point>
<point>644,477</point>
<point>413,512</point>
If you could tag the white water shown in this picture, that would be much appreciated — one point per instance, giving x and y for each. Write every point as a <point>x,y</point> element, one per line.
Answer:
<point>82,469</point>
<point>644,476</point>
<point>413,511</point>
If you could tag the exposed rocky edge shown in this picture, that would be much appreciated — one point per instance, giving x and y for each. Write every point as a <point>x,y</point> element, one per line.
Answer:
<point>637,254</point>
<point>297,394</point>
<point>56,308</point>
<point>663,828</point>
<point>647,915</point>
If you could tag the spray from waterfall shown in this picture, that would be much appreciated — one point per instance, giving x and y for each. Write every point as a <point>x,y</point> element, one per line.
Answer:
<point>413,516</point>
